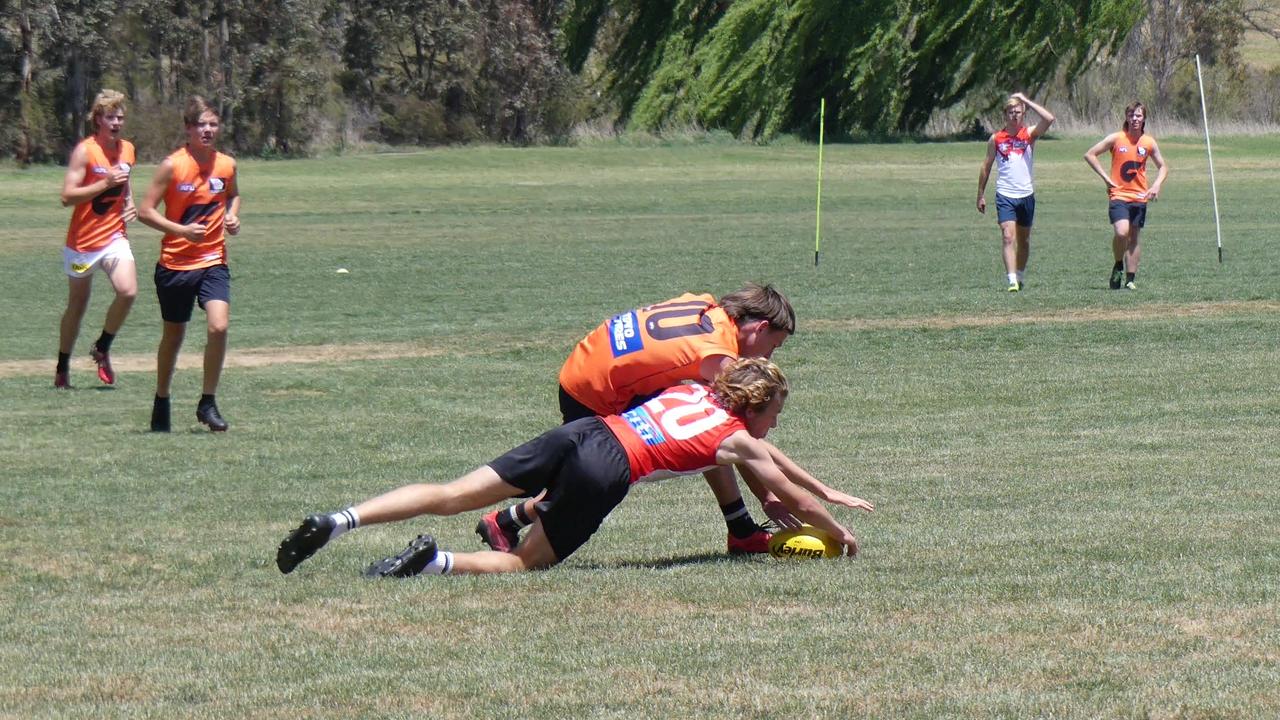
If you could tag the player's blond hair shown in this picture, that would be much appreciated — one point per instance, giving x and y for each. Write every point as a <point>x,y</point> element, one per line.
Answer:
<point>760,302</point>
<point>107,101</point>
<point>1013,102</point>
<point>748,384</point>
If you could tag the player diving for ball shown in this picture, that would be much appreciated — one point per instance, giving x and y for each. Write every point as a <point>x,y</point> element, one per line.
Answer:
<point>586,467</point>
<point>633,355</point>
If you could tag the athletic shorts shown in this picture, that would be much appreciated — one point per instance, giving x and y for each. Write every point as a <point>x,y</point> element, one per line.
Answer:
<point>178,290</point>
<point>82,264</point>
<point>585,472</point>
<point>571,409</point>
<point>1134,212</point>
<point>1021,210</point>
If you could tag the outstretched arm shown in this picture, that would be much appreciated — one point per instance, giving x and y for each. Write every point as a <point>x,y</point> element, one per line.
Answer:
<point>799,476</point>
<point>753,456</point>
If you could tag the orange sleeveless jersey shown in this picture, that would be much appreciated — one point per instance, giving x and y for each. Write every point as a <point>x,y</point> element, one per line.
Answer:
<point>675,433</point>
<point>196,194</point>
<point>96,223</point>
<point>1129,168</point>
<point>645,350</point>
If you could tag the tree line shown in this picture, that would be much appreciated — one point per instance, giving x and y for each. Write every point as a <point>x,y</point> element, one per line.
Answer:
<point>290,77</point>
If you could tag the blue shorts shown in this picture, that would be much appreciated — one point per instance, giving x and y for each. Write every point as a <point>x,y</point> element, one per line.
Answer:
<point>1021,210</point>
<point>1134,212</point>
<point>178,290</point>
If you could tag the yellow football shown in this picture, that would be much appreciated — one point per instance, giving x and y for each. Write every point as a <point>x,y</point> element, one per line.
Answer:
<point>806,542</point>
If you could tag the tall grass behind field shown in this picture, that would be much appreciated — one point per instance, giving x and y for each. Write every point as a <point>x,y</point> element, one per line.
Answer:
<point>1074,486</point>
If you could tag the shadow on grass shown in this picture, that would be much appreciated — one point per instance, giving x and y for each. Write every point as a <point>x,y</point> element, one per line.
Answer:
<point>670,562</point>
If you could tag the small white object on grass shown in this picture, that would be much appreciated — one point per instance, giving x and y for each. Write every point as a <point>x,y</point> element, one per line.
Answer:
<point>343,271</point>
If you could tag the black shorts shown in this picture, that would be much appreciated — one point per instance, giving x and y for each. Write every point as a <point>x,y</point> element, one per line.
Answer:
<point>585,472</point>
<point>1134,212</point>
<point>178,290</point>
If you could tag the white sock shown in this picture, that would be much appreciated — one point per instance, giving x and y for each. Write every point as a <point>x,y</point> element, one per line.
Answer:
<point>441,565</point>
<point>1013,278</point>
<point>343,521</point>
<point>516,513</point>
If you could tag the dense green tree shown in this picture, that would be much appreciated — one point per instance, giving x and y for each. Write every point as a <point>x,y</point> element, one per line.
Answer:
<point>759,67</point>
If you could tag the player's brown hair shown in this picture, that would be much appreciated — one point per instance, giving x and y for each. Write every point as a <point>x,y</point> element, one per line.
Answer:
<point>760,302</point>
<point>195,107</point>
<point>1129,111</point>
<point>106,101</point>
<point>748,384</point>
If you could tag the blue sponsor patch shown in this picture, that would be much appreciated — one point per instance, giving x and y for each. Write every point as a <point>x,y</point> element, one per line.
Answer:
<point>644,427</point>
<point>186,187</point>
<point>624,334</point>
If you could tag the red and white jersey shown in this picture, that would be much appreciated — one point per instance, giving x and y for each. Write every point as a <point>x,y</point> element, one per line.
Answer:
<point>675,433</point>
<point>1013,163</point>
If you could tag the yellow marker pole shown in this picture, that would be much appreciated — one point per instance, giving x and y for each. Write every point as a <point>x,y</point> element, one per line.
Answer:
<point>817,236</point>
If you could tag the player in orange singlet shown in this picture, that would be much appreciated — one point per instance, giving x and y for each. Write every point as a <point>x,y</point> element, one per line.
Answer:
<point>197,185</point>
<point>586,468</point>
<point>635,354</point>
<point>97,187</point>
<point>1127,189</point>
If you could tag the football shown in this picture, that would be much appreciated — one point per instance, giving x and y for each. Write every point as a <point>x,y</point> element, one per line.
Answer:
<point>806,542</point>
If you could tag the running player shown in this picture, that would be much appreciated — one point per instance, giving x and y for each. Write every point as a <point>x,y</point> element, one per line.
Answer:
<point>197,185</point>
<point>586,467</point>
<point>97,187</point>
<point>1127,190</point>
<point>1011,148</point>
<point>635,354</point>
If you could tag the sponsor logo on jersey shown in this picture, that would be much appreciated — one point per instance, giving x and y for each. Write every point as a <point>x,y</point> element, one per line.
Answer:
<point>99,170</point>
<point>216,185</point>
<point>1123,149</point>
<point>1142,152</point>
<point>624,334</point>
<point>644,426</point>
<point>186,187</point>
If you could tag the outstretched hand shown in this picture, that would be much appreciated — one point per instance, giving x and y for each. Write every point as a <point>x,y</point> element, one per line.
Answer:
<point>835,497</point>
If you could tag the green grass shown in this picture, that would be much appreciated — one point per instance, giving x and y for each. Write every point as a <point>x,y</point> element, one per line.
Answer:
<point>1075,490</point>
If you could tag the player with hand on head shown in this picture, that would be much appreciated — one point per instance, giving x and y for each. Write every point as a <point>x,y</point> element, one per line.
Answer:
<point>583,469</point>
<point>96,186</point>
<point>1127,190</point>
<point>635,354</point>
<point>1011,149</point>
<point>197,185</point>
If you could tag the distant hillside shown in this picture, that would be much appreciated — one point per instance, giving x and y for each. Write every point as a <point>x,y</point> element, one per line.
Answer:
<point>1260,50</point>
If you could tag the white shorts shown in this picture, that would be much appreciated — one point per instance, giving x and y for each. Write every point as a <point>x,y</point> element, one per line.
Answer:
<point>82,264</point>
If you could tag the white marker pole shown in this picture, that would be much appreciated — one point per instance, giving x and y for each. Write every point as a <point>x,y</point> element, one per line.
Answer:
<point>817,233</point>
<point>1213,185</point>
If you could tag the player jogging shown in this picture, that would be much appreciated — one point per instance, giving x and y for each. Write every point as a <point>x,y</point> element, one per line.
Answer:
<point>1012,149</point>
<point>97,187</point>
<point>1127,190</point>
<point>586,467</point>
<point>635,354</point>
<point>197,185</point>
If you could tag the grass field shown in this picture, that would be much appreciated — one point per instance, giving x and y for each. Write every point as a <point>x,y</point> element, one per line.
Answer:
<point>1076,488</point>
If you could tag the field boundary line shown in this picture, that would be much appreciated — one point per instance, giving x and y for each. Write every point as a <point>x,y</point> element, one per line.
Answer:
<point>362,352</point>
